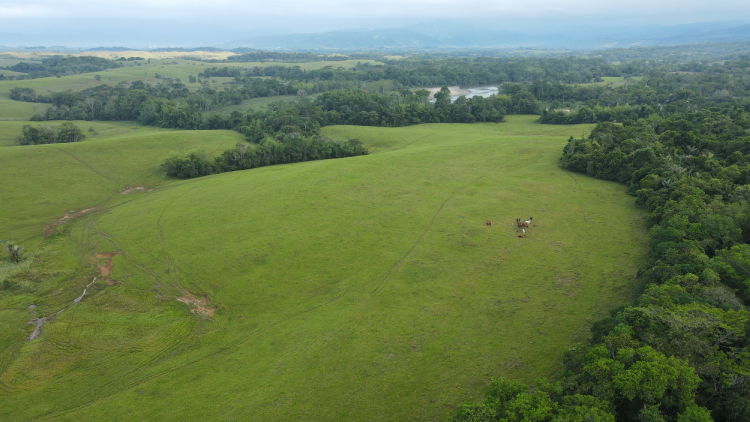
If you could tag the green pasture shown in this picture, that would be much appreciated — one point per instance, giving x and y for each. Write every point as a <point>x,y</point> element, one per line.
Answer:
<point>255,104</point>
<point>7,60</point>
<point>10,61</point>
<point>616,80</point>
<point>10,129</point>
<point>10,73</point>
<point>14,110</point>
<point>18,110</point>
<point>365,288</point>
<point>43,182</point>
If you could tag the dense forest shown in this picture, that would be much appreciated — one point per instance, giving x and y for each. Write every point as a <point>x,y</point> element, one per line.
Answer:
<point>59,66</point>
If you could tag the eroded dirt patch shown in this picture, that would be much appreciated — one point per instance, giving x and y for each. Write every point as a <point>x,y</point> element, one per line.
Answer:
<point>65,218</point>
<point>134,188</point>
<point>103,261</point>
<point>197,305</point>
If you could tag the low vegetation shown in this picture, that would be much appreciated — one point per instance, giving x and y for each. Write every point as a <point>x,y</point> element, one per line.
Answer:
<point>14,251</point>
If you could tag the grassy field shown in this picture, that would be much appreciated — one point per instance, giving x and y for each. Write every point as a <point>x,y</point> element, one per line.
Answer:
<point>256,104</point>
<point>174,68</point>
<point>10,129</point>
<point>6,61</point>
<point>615,80</point>
<point>366,288</point>
<point>43,182</point>
<point>10,73</point>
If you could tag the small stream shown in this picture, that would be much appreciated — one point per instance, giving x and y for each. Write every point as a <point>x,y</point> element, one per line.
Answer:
<point>40,321</point>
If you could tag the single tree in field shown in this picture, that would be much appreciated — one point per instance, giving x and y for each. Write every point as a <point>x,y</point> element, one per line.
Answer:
<point>14,251</point>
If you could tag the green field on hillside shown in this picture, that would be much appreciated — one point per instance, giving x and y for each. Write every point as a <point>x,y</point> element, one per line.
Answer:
<point>255,104</point>
<point>10,129</point>
<point>14,110</point>
<point>365,288</point>
<point>615,80</point>
<point>6,61</point>
<point>10,73</point>
<point>43,182</point>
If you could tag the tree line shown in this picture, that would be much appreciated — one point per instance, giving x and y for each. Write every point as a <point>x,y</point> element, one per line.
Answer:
<point>270,151</point>
<point>290,133</point>
<point>49,134</point>
<point>681,352</point>
<point>454,71</point>
<point>174,106</point>
<point>60,66</point>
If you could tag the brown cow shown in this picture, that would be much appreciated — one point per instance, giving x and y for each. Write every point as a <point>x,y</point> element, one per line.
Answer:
<point>489,223</point>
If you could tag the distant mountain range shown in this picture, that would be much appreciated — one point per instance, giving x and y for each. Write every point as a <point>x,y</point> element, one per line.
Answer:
<point>432,36</point>
<point>457,36</point>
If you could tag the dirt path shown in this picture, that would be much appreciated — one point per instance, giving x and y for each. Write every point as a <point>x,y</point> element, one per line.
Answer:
<point>134,188</point>
<point>64,219</point>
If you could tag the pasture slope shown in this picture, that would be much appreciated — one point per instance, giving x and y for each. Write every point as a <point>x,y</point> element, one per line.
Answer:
<point>174,68</point>
<point>43,182</point>
<point>366,288</point>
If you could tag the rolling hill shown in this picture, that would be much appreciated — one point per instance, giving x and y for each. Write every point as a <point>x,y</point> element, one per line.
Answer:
<point>354,289</point>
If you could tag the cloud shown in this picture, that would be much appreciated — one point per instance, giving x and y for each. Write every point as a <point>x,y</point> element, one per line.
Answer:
<point>340,10</point>
<point>190,22</point>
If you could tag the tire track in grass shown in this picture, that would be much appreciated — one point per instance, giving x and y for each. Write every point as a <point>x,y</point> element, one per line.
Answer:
<point>136,382</point>
<point>421,236</point>
<point>89,166</point>
<point>176,342</point>
<point>406,145</point>
<point>126,386</point>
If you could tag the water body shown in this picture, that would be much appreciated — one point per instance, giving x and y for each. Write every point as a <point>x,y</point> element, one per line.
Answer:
<point>40,321</point>
<point>474,91</point>
<point>477,91</point>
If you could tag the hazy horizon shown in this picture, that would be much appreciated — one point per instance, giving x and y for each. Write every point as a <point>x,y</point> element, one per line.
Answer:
<point>165,23</point>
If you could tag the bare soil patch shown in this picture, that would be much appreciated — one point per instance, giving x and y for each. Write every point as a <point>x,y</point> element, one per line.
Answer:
<point>134,188</point>
<point>103,261</point>
<point>197,305</point>
<point>64,219</point>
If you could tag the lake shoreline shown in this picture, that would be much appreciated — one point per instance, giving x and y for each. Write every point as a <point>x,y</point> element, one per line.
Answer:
<point>455,90</point>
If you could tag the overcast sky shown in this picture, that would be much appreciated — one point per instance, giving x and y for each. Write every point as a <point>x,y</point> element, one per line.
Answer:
<point>246,18</point>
